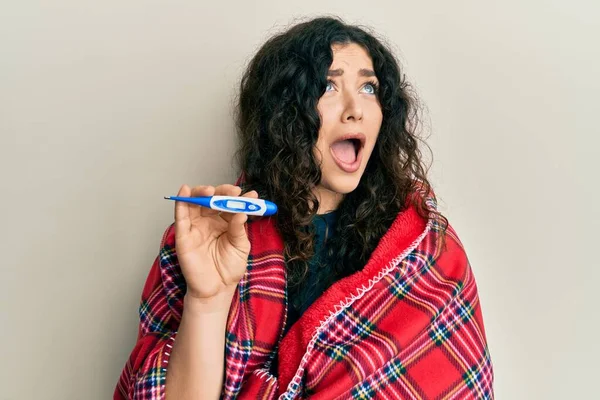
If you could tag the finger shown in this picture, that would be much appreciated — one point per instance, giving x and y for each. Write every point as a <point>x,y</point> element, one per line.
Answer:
<point>228,216</point>
<point>236,231</point>
<point>252,194</point>
<point>202,191</point>
<point>228,190</point>
<point>182,213</point>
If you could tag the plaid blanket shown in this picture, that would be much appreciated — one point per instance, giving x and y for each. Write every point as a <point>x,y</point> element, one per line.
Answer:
<point>407,326</point>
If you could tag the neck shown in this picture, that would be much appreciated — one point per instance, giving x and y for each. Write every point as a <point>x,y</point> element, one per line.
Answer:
<point>328,199</point>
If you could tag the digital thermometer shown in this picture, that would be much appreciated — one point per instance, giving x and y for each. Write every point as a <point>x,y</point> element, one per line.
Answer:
<point>231,204</point>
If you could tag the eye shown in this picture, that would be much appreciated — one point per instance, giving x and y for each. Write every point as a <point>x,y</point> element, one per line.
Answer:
<point>370,88</point>
<point>330,86</point>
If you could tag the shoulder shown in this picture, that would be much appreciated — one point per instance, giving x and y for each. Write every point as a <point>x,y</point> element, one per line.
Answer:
<point>451,258</point>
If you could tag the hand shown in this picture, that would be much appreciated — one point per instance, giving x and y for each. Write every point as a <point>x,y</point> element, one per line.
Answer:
<point>212,247</point>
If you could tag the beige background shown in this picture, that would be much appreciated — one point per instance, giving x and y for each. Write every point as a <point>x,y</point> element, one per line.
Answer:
<point>105,107</point>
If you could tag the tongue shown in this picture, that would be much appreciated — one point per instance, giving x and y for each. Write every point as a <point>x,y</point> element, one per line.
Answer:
<point>345,151</point>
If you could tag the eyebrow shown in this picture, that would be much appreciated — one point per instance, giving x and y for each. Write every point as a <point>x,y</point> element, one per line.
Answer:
<point>362,72</point>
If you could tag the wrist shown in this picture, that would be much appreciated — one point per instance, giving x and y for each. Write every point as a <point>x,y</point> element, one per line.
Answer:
<point>217,304</point>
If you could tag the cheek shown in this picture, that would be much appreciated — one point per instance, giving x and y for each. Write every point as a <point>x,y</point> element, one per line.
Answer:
<point>376,121</point>
<point>319,150</point>
<point>327,122</point>
<point>375,114</point>
<point>317,153</point>
<point>374,128</point>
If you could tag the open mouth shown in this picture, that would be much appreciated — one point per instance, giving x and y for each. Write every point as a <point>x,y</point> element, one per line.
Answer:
<point>347,153</point>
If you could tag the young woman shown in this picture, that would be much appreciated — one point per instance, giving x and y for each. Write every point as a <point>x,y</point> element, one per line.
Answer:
<point>357,288</point>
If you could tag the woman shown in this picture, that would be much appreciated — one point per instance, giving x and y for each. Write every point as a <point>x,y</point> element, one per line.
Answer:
<point>357,288</point>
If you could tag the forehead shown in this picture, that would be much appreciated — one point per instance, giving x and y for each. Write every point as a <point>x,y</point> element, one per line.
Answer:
<point>350,55</point>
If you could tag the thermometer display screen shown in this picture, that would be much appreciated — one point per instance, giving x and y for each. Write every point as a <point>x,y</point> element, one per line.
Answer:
<point>238,205</point>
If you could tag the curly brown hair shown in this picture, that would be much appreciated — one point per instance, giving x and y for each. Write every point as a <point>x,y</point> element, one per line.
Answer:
<point>278,124</point>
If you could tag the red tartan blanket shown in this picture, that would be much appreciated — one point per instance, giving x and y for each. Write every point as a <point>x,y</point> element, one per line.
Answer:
<point>407,326</point>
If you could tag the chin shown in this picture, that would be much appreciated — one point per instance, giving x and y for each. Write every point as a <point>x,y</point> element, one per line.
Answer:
<point>342,184</point>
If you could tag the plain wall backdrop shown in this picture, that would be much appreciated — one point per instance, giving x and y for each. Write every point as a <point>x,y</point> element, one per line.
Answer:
<point>106,107</point>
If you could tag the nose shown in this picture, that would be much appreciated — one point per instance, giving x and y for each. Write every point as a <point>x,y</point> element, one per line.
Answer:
<point>352,110</point>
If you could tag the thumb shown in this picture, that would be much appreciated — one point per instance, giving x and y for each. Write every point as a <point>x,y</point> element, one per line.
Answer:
<point>182,211</point>
<point>236,231</point>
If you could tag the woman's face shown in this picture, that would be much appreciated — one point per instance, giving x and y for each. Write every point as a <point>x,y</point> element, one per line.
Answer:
<point>350,120</point>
